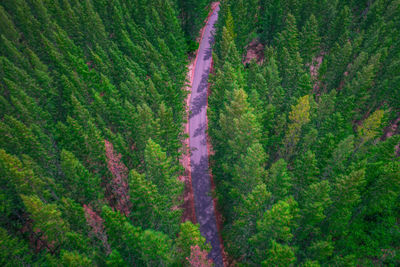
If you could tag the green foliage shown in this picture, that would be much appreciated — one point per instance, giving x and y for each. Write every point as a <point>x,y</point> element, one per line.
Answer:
<point>47,221</point>
<point>74,259</point>
<point>189,235</point>
<point>192,14</point>
<point>309,39</point>
<point>156,249</point>
<point>324,134</point>
<point>13,250</point>
<point>79,183</point>
<point>279,255</point>
<point>275,226</point>
<point>72,75</point>
<point>306,142</point>
<point>279,181</point>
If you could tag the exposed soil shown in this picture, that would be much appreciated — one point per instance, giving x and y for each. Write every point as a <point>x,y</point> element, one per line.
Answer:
<point>255,50</point>
<point>314,67</point>
<point>392,129</point>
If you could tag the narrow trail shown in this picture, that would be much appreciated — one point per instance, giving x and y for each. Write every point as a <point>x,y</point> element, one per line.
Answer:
<point>199,165</point>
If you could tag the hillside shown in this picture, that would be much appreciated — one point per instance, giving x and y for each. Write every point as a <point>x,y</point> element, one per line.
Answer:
<point>91,127</point>
<point>306,142</point>
<point>292,123</point>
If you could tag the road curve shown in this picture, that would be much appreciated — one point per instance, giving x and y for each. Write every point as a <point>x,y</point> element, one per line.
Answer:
<point>201,183</point>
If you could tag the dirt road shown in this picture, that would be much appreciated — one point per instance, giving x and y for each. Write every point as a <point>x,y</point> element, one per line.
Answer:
<point>201,184</point>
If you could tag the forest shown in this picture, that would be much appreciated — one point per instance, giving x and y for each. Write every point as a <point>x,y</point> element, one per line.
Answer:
<point>304,135</point>
<point>306,142</point>
<point>91,115</point>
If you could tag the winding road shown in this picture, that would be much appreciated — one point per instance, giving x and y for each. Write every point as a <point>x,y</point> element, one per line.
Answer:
<point>201,183</point>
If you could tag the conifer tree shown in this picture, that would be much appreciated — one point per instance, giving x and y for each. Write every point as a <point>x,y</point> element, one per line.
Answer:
<point>192,13</point>
<point>248,212</point>
<point>49,226</point>
<point>272,19</point>
<point>144,197</point>
<point>249,171</point>
<point>82,185</point>
<point>309,39</point>
<point>156,249</point>
<point>161,172</point>
<point>122,235</point>
<point>188,237</point>
<point>74,259</point>
<point>13,250</point>
<point>346,195</point>
<point>315,202</point>
<point>238,125</point>
<point>275,226</point>
<point>299,116</point>
<point>289,58</point>
<point>279,181</point>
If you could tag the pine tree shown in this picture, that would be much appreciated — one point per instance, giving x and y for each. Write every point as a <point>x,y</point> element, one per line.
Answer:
<point>279,255</point>
<point>249,171</point>
<point>299,116</point>
<point>339,29</point>
<point>192,14</point>
<point>80,184</point>
<point>188,237</point>
<point>7,26</point>
<point>275,226</point>
<point>169,133</point>
<point>273,79</point>
<point>370,127</point>
<point>338,162</point>
<point>238,125</point>
<point>156,249</point>
<point>49,226</point>
<point>314,204</point>
<point>144,197</point>
<point>346,195</point>
<point>122,235</point>
<point>309,39</point>
<point>305,171</point>
<point>244,226</point>
<point>279,181</point>
<point>74,259</point>
<point>290,62</point>
<point>14,251</point>
<point>272,19</point>
<point>146,126</point>
<point>337,62</point>
<point>321,250</point>
<point>115,259</point>
<point>162,173</point>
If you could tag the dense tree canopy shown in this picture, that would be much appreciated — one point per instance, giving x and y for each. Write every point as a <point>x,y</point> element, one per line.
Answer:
<point>306,137</point>
<point>92,101</point>
<point>306,142</point>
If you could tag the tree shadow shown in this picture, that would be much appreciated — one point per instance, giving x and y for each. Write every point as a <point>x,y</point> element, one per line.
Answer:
<point>208,52</point>
<point>200,130</point>
<point>204,81</point>
<point>204,207</point>
<point>197,104</point>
